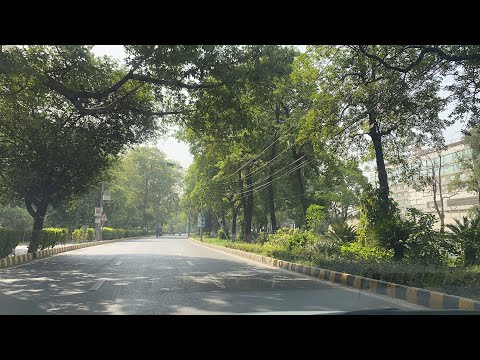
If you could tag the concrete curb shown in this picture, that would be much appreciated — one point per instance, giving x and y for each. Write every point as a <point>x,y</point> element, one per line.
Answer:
<point>24,258</point>
<point>427,298</point>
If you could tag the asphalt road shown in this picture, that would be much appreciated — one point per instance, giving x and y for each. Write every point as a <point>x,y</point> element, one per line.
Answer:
<point>170,275</point>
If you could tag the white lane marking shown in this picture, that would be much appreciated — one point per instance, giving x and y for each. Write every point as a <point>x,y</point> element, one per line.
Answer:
<point>118,263</point>
<point>190,263</point>
<point>97,285</point>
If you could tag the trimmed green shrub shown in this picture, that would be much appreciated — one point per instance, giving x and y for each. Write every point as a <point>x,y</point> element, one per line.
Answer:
<point>292,238</point>
<point>9,240</point>
<point>357,251</point>
<point>79,235</point>
<point>109,233</point>
<point>50,237</point>
<point>90,236</point>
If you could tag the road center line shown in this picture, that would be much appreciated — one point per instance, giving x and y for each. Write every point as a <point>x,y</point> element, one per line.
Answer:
<point>118,263</point>
<point>97,285</point>
<point>190,263</point>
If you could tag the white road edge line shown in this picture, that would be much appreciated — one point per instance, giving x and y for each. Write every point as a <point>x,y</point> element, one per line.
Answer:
<point>97,285</point>
<point>118,263</point>
<point>190,263</point>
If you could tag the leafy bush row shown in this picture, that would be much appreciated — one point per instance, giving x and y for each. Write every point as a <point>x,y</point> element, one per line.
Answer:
<point>372,261</point>
<point>108,233</point>
<point>9,240</point>
<point>81,235</point>
<point>50,237</point>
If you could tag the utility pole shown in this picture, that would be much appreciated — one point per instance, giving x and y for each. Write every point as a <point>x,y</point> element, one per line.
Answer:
<point>201,225</point>
<point>101,205</point>
<point>99,224</point>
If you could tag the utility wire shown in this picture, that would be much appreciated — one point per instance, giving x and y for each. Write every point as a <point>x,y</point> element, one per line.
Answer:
<point>250,190</point>
<point>262,166</point>
<point>257,156</point>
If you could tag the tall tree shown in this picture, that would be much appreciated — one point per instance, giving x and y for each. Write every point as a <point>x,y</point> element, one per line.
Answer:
<point>67,114</point>
<point>360,99</point>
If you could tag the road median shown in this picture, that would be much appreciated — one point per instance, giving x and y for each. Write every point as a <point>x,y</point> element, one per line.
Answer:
<point>418,296</point>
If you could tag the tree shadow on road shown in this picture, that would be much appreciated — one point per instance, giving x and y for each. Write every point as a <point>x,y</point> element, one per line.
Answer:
<point>137,283</point>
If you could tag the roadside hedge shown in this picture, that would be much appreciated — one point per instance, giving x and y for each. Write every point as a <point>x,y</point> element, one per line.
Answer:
<point>9,240</point>
<point>110,233</point>
<point>50,237</point>
<point>369,262</point>
<point>80,235</point>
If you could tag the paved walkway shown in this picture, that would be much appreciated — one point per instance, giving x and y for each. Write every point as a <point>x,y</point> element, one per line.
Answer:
<point>22,248</point>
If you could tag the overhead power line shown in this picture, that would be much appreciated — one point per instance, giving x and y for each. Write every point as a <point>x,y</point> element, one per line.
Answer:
<point>257,156</point>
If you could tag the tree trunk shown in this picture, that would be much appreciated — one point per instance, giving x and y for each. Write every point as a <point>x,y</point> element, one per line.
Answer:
<point>270,195</point>
<point>248,208</point>
<point>215,225</point>
<point>300,187</point>
<point>398,252</point>
<point>470,256</point>
<point>440,193</point>
<point>145,202</point>
<point>234,222</point>
<point>344,212</point>
<point>440,212</point>
<point>381,170</point>
<point>38,219</point>
<point>224,226</point>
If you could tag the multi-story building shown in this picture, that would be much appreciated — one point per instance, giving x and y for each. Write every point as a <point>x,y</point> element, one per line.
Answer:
<point>446,166</point>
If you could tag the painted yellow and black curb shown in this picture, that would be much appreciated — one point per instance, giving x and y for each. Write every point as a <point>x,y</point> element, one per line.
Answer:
<point>24,258</point>
<point>427,298</point>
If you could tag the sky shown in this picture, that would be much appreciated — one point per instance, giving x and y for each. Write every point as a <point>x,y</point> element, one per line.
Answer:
<point>179,151</point>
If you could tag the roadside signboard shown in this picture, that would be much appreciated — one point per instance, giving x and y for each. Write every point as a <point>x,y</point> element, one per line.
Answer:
<point>104,217</point>
<point>97,220</point>
<point>98,211</point>
<point>201,220</point>
<point>106,195</point>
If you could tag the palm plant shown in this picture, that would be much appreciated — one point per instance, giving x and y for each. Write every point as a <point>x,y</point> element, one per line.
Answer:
<point>343,232</point>
<point>467,233</point>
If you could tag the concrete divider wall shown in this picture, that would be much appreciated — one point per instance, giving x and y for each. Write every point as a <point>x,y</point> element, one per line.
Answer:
<point>23,258</point>
<point>427,298</point>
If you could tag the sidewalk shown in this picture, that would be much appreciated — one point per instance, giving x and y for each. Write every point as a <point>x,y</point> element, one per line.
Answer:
<point>22,248</point>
